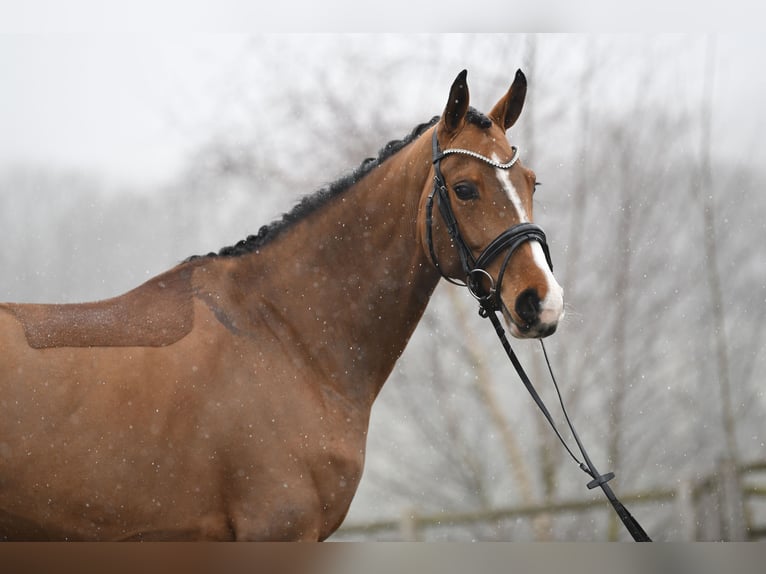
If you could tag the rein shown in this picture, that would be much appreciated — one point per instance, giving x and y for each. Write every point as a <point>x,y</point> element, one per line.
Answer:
<point>489,303</point>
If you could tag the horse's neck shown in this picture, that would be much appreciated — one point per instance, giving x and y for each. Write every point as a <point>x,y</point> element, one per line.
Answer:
<point>351,281</point>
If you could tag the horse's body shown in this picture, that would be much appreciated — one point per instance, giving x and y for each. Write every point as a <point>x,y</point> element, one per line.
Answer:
<point>229,397</point>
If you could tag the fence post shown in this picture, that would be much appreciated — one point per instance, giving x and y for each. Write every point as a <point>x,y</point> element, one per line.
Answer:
<point>732,501</point>
<point>408,525</point>
<point>686,511</point>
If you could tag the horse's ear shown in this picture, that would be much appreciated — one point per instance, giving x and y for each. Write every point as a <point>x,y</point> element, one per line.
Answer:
<point>457,105</point>
<point>507,110</point>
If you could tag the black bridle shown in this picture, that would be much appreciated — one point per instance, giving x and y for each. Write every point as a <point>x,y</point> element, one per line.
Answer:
<point>474,269</point>
<point>508,241</point>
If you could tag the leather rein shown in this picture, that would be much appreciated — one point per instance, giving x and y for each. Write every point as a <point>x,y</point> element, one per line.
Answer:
<point>489,303</point>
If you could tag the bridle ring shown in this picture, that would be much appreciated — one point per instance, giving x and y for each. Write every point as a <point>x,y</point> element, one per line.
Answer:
<point>473,285</point>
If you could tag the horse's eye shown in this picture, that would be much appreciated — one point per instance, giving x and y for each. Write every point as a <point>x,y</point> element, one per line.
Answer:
<point>466,191</point>
<point>536,184</point>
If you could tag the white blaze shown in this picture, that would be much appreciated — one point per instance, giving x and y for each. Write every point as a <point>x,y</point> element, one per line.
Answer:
<point>505,180</point>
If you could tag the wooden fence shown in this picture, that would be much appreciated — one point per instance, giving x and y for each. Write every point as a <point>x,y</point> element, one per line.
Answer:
<point>728,504</point>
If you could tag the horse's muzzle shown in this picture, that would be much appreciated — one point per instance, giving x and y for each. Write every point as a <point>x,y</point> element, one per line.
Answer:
<point>534,318</point>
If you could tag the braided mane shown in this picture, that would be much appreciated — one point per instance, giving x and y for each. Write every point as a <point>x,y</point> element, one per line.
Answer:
<point>311,203</point>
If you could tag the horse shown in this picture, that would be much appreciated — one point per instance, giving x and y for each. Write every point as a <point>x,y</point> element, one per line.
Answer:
<point>229,397</point>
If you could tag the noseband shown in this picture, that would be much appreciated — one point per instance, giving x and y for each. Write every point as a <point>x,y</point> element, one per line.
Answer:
<point>508,241</point>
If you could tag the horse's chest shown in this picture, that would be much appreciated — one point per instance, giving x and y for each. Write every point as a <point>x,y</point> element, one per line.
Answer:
<point>336,478</point>
<point>298,472</point>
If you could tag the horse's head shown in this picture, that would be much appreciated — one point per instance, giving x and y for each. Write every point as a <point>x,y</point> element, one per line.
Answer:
<point>476,220</point>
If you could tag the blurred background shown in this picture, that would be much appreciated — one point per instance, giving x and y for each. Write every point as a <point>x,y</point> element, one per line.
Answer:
<point>122,155</point>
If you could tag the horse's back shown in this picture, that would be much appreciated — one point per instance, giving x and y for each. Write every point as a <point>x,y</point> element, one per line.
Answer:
<point>155,314</point>
<point>105,423</point>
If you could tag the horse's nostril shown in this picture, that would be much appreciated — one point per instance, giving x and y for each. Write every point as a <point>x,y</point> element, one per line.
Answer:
<point>528,306</point>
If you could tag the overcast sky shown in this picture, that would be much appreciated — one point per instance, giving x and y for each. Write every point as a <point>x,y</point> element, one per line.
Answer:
<point>131,108</point>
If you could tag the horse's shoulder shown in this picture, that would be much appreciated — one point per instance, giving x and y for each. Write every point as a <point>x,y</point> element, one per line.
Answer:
<point>154,314</point>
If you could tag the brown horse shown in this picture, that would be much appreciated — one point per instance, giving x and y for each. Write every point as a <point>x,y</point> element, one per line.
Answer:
<point>229,397</point>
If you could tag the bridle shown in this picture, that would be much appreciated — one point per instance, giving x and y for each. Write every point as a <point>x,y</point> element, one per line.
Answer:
<point>508,241</point>
<point>489,303</point>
